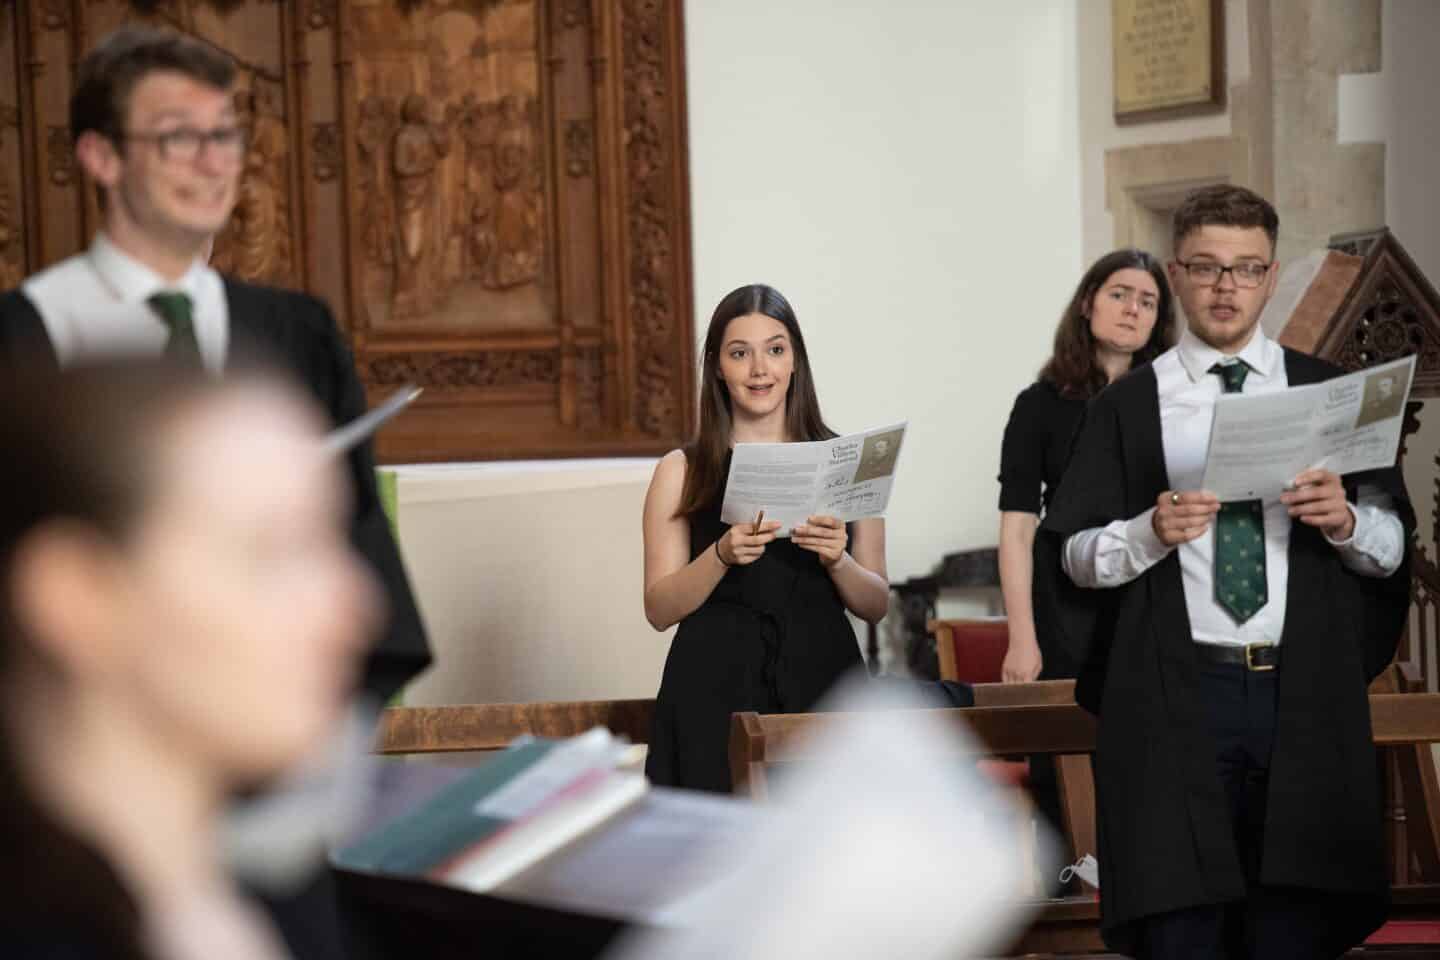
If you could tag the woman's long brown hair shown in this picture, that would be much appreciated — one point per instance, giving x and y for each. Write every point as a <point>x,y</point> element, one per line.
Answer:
<point>1072,367</point>
<point>705,454</point>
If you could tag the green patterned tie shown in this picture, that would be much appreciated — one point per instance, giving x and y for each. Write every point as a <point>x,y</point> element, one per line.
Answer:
<point>177,311</point>
<point>1239,535</point>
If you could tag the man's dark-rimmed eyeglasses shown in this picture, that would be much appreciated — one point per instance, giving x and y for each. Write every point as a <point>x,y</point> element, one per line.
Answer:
<point>182,145</point>
<point>1207,273</point>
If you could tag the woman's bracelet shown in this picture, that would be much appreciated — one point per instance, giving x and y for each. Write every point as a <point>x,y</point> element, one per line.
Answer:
<point>716,545</point>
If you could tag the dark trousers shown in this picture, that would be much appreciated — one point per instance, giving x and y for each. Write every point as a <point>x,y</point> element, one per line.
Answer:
<point>1275,923</point>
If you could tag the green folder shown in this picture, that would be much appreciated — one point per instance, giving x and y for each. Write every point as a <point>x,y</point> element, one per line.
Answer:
<point>444,827</point>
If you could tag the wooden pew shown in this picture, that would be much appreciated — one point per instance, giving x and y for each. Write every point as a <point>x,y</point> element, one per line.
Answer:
<point>1007,719</point>
<point>1412,795</point>
<point>759,740</point>
<point>1073,773</point>
<point>491,726</point>
<point>1038,694</point>
<point>1412,786</point>
<point>1071,925</point>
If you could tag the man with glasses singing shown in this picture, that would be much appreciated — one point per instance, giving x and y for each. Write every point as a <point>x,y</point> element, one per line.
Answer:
<point>155,131</point>
<point>1226,647</point>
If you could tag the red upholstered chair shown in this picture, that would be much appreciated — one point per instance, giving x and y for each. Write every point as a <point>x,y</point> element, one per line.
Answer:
<point>973,651</point>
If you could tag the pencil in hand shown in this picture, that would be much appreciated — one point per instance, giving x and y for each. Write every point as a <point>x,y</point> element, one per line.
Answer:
<point>759,519</point>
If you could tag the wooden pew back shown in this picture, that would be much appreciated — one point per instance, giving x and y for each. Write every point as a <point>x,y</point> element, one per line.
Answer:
<point>492,726</point>
<point>998,726</point>
<point>1412,794</point>
<point>759,740</point>
<point>1006,718</point>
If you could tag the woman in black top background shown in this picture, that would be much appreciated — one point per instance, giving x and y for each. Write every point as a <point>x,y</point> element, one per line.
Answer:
<point>1120,315</point>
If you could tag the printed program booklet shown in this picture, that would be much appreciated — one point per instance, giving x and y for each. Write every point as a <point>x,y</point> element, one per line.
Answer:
<point>1259,443</point>
<point>849,478</point>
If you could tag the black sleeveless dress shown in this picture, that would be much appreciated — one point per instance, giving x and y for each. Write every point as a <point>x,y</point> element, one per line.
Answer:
<point>772,637</point>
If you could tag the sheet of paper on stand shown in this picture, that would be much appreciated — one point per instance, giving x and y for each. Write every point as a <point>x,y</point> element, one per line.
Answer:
<point>879,842</point>
<point>1259,443</point>
<point>849,477</point>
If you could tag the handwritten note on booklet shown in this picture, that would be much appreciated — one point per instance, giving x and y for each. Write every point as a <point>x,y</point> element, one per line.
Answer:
<point>1258,444</point>
<point>849,477</point>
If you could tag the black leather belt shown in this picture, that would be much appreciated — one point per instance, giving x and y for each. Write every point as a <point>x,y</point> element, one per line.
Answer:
<point>1254,656</point>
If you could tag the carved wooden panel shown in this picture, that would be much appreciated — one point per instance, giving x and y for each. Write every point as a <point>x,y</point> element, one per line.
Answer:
<point>1392,310</point>
<point>13,257</point>
<point>491,194</point>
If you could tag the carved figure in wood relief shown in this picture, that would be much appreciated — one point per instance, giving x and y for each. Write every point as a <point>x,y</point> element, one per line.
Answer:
<point>519,240</point>
<point>451,178</point>
<point>377,125</point>
<point>418,149</point>
<point>479,123</point>
<point>262,248</point>
<point>256,244</point>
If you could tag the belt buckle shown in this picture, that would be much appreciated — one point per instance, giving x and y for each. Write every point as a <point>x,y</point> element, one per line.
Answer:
<point>1250,663</point>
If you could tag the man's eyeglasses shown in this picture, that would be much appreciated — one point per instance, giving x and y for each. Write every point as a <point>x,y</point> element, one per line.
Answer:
<point>1207,273</point>
<point>183,145</point>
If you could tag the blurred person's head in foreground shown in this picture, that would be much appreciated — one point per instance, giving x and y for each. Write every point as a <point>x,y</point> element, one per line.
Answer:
<point>182,616</point>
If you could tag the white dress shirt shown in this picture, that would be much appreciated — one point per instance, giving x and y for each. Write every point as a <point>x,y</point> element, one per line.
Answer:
<point>94,304</point>
<point>1121,551</point>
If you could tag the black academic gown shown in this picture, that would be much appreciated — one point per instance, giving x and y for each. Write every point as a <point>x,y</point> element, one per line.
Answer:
<point>1163,824</point>
<point>294,333</point>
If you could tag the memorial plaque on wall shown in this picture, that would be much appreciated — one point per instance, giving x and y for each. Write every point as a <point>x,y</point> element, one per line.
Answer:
<point>492,195</point>
<point>1169,58</point>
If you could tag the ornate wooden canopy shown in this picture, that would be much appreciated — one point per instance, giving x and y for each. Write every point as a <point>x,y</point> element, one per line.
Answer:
<point>1369,303</point>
